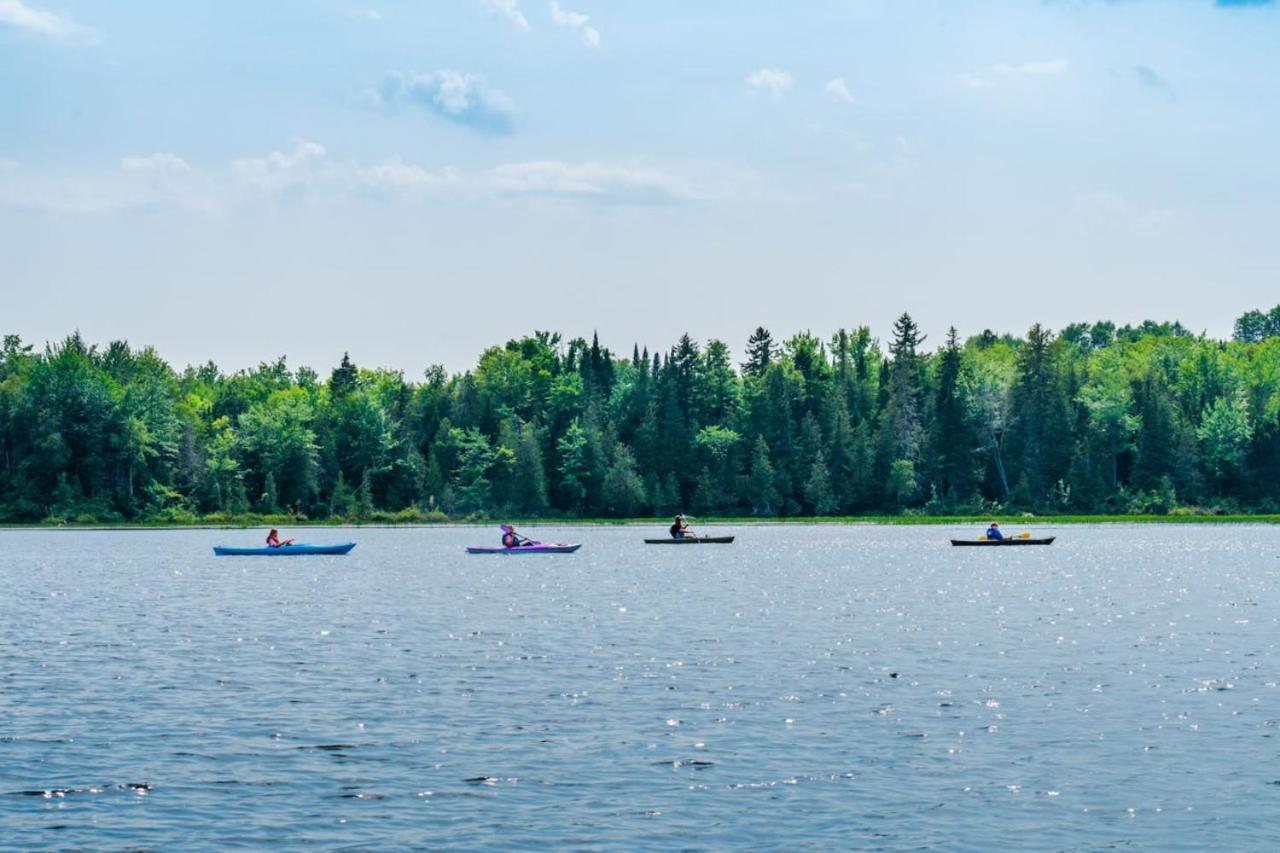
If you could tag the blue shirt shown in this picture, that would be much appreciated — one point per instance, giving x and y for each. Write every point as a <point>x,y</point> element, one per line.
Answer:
<point>994,533</point>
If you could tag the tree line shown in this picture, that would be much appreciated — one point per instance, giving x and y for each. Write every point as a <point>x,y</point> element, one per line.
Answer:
<point>1094,419</point>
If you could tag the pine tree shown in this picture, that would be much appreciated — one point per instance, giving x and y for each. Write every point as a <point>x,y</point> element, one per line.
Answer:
<point>1040,440</point>
<point>623,490</point>
<point>530,474</point>
<point>761,351</point>
<point>574,466</point>
<point>706,498</point>
<point>364,497</point>
<point>817,488</point>
<point>761,494</point>
<point>952,446</point>
<point>342,503</point>
<point>270,500</point>
<point>344,379</point>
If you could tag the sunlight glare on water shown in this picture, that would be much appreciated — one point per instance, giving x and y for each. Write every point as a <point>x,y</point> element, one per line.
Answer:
<point>837,686</point>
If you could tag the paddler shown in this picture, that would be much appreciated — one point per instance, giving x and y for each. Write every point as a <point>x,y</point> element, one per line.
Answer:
<point>273,539</point>
<point>993,532</point>
<point>680,529</point>
<point>511,539</point>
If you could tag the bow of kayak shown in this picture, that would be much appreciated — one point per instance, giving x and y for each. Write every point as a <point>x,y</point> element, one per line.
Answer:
<point>297,550</point>
<point>538,548</point>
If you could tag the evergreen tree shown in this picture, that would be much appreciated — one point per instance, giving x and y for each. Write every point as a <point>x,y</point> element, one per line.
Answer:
<point>342,503</point>
<point>364,497</point>
<point>270,500</point>
<point>951,442</point>
<point>574,466</point>
<point>761,495</point>
<point>817,488</point>
<point>706,498</point>
<point>1041,434</point>
<point>761,351</point>
<point>344,379</point>
<point>623,489</point>
<point>530,476</point>
<point>1136,419</point>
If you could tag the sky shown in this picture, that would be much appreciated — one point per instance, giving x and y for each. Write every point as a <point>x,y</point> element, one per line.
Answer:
<point>414,182</point>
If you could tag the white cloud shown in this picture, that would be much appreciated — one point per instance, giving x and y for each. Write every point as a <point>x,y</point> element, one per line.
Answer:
<point>615,183</point>
<point>575,21</point>
<point>457,96</point>
<point>277,161</point>
<point>285,172</point>
<point>509,9</point>
<point>158,162</point>
<point>1006,71</point>
<point>838,90</point>
<point>307,173</point>
<point>1050,68</point>
<point>143,182</point>
<point>772,80</point>
<point>17,14</point>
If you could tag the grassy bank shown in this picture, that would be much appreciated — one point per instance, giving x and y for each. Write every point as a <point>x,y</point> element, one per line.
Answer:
<point>439,520</point>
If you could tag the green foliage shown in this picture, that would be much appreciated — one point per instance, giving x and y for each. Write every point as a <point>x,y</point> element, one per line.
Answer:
<point>1144,420</point>
<point>624,492</point>
<point>1224,434</point>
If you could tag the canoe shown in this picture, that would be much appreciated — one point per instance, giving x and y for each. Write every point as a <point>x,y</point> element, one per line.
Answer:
<point>1048,540</point>
<point>535,548</point>
<point>297,550</point>
<point>701,540</point>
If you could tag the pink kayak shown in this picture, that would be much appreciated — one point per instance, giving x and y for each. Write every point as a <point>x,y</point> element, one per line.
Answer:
<point>530,548</point>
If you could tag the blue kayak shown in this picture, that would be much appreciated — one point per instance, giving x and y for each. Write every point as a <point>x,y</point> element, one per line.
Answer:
<point>283,551</point>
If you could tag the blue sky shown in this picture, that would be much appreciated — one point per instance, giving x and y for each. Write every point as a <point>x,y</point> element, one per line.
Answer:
<point>415,181</point>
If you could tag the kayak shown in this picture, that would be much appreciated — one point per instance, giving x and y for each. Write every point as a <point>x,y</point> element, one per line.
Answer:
<point>1046,541</point>
<point>692,540</point>
<point>532,548</point>
<point>283,551</point>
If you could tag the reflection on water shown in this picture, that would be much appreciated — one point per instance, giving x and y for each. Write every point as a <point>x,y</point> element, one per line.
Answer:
<point>837,686</point>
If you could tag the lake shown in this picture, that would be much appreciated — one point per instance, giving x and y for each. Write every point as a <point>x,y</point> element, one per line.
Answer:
<point>833,686</point>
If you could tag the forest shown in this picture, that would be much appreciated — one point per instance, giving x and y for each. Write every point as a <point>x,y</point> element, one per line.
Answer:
<point>1147,419</point>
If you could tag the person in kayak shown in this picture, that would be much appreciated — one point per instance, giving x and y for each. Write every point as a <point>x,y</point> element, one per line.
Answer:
<point>993,532</point>
<point>680,529</point>
<point>273,539</point>
<point>511,539</point>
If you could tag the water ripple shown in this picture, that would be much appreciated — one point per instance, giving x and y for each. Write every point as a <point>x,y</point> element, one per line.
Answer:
<point>805,687</point>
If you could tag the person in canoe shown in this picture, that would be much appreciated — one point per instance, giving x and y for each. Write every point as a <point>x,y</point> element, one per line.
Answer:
<point>273,539</point>
<point>680,529</point>
<point>511,539</point>
<point>993,532</point>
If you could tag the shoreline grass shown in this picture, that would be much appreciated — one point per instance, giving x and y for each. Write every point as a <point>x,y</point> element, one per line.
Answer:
<point>245,523</point>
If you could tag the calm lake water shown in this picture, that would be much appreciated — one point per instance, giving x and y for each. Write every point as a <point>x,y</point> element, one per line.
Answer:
<point>853,687</point>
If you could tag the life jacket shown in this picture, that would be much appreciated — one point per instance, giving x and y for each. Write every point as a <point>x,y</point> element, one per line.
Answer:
<point>509,540</point>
